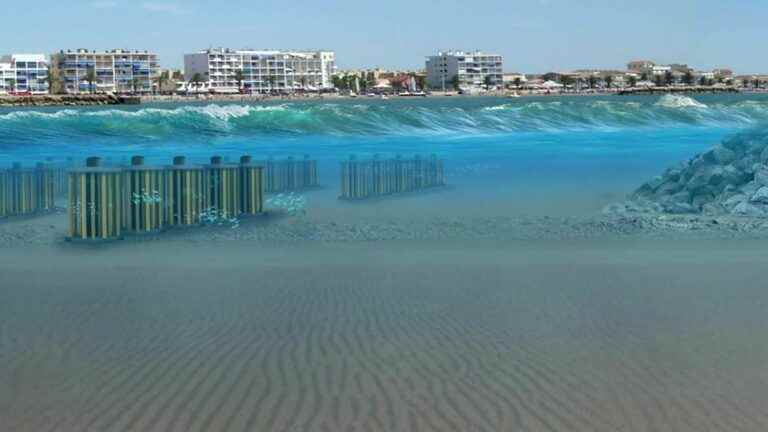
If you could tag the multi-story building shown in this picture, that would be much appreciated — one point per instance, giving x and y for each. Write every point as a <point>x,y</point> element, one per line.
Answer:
<point>261,71</point>
<point>640,66</point>
<point>23,73</point>
<point>117,71</point>
<point>470,70</point>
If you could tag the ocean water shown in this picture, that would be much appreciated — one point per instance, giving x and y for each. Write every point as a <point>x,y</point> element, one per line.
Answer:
<point>534,151</point>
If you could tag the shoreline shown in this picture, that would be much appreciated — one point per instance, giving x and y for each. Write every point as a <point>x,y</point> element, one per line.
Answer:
<point>111,99</point>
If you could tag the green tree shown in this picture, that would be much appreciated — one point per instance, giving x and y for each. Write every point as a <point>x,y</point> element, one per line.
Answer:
<point>688,78</point>
<point>565,80</point>
<point>591,81</point>
<point>668,78</point>
<point>488,82</point>
<point>12,84</point>
<point>455,82</point>
<point>644,76</point>
<point>53,80</point>
<point>196,81</point>
<point>271,80</point>
<point>608,81</point>
<point>135,85</point>
<point>90,78</point>
<point>703,80</point>
<point>161,80</point>
<point>632,81</point>
<point>239,78</point>
<point>518,82</point>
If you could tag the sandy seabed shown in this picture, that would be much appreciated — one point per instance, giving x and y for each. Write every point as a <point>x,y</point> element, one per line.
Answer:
<point>613,333</point>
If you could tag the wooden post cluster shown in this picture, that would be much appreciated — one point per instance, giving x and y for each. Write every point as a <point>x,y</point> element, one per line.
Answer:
<point>145,210</point>
<point>105,203</point>
<point>26,191</point>
<point>96,199</point>
<point>290,174</point>
<point>362,179</point>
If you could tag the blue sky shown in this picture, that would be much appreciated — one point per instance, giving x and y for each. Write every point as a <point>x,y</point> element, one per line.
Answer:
<point>534,36</point>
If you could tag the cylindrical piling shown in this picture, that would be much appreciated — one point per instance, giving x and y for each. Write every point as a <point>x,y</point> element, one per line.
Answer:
<point>95,202</point>
<point>376,177</point>
<point>146,209</point>
<point>251,186</point>
<point>222,183</point>
<point>185,193</point>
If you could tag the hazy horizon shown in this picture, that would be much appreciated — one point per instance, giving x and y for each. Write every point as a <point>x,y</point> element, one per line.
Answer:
<point>541,36</point>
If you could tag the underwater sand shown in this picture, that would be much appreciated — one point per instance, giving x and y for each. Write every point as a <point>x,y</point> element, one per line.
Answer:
<point>591,335</point>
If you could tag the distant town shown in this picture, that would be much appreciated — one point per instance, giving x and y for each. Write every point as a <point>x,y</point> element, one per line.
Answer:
<point>225,71</point>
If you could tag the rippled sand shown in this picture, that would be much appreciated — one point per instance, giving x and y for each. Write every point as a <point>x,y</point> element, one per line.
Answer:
<point>428,336</point>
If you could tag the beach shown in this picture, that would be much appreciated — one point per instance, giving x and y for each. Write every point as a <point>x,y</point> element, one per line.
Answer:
<point>579,335</point>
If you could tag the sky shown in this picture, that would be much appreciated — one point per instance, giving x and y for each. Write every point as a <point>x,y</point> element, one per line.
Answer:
<point>535,36</point>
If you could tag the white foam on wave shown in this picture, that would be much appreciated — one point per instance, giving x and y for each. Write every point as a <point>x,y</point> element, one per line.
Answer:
<point>218,112</point>
<point>678,101</point>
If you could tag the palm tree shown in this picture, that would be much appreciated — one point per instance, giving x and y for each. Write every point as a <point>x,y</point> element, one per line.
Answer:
<point>455,82</point>
<point>303,81</point>
<point>161,80</point>
<point>90,78</point>
<point>668,78</point>
<point>688,78</point>
<point>518,81</point>
<point>488,82</point>
<point>703,81</point>
<point>12,84</point>
<point>53,80</point>
<point>239,78</point>
<point>592,81</point>
<point>632,81</point>
<point>196,81</point>
<point>271,80</point>
<point>135,85</point>
<point>608,81</point>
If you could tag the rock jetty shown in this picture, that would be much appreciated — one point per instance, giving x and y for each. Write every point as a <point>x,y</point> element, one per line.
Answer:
<point>55,100</point>
<point>729,179</point>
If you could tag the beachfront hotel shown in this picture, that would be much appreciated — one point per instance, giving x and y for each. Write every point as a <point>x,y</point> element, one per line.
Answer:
<point>472,70</point>
<point>116,71</point>
<point>23,73</point>
<point>262,71</point>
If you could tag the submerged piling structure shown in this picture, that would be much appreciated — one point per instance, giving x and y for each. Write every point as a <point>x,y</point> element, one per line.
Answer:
<point>146,191</point>
<point>222,188</point>
<point>290,174</point>
<point>26,191</point>
<point>95,202</point>
<point>362,179</point>
<point>186,193</point>
<point>251,186</point>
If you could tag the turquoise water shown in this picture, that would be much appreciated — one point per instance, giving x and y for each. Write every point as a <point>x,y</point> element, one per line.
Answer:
<point>570,142</point>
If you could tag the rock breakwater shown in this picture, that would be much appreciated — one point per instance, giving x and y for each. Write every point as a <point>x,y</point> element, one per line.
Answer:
<point>731,178</point>
<point>71,100</point>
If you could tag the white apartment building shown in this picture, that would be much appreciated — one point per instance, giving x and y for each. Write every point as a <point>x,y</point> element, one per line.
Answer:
<point>116,71</point>
<point>23,73</point>
<point>471,69</point>
<point>261,71</point>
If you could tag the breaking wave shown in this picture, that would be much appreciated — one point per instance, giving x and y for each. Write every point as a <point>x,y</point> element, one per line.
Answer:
<point>430,117</point>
